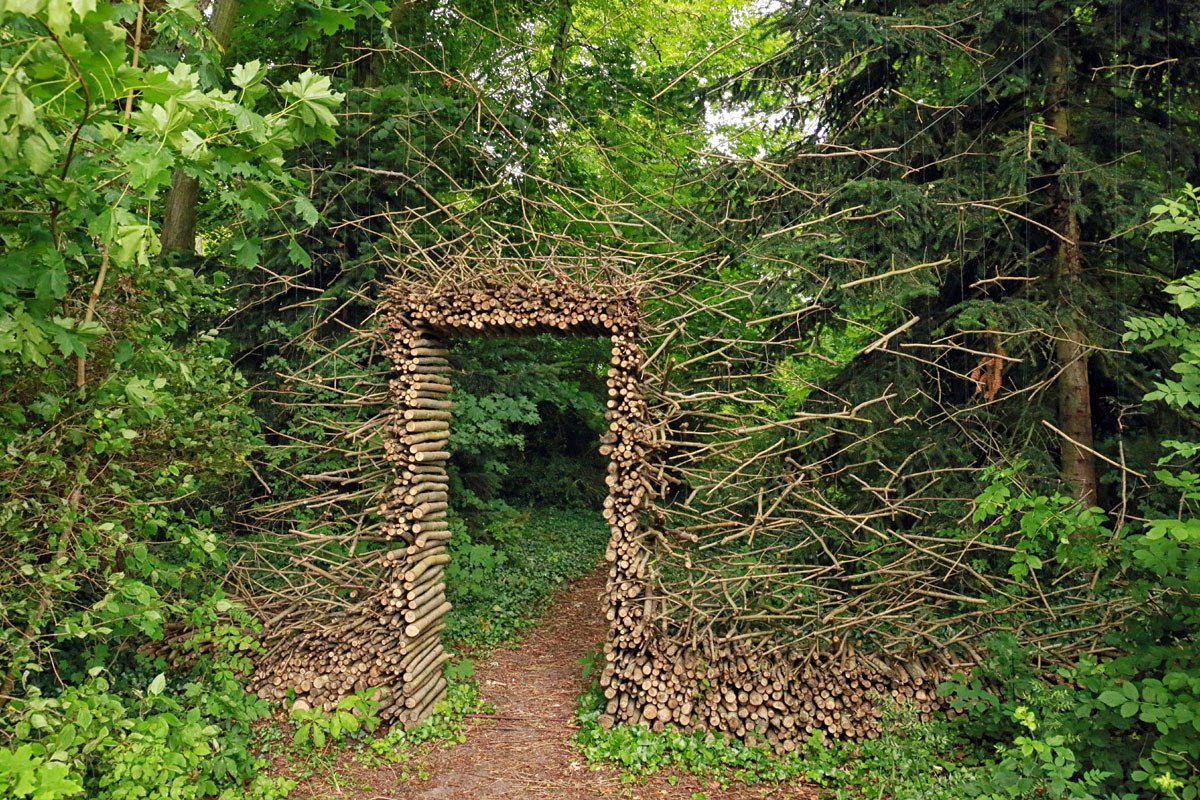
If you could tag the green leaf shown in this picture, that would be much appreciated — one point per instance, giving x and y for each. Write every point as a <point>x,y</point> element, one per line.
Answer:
<point>55,782</point>
<point>307,211</point>
<point>247,252</point>
<point>150,170</point>
<point>28,7</point>
<point>139,393</point>
<point>52,282</point>
<point>248,74</point>
<point>123,352</point>
<point>158,684</point>
<point>297,254</point>
<point>58,16</point>
<point>38,154</point>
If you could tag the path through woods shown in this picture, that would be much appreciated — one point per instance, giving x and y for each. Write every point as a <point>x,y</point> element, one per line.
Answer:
<point>524,749</point>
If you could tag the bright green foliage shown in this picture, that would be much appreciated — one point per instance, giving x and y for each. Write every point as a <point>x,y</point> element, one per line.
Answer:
<point>1115,723</point>
<point>1128,721</point>
<point>89,144</point>
<point>353,713</point>
<point>525,127</point>
<point>1181,215</point>
<point>338,744</point>
<point>184,741</point>
<point>1050,527</point>
<point>834,345</point>
<point>28,773</point>
<point>911,759</point>
<point>501,577</point>
<point>123,422</point>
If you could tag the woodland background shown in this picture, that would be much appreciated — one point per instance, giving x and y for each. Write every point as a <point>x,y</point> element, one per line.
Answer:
<point>976,222</point>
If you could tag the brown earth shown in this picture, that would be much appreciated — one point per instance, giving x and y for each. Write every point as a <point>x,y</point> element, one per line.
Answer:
<point>524,749</point>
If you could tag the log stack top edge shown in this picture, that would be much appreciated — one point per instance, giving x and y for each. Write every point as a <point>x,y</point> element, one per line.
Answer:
<point>516,309</point>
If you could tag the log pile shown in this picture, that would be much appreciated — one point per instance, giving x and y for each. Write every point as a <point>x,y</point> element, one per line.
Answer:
<point>356,650</point>
<point>392,641</point>
<point>417,446</point>
<point>779,700</point>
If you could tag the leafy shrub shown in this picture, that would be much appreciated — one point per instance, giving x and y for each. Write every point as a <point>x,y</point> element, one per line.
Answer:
<point>124,426</point>
<point>186,743</point>
<point>29,772</point>
<point>1126,724</point>
<point>354,713</point>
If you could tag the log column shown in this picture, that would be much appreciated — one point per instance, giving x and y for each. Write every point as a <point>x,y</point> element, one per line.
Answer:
<point>418,436</point>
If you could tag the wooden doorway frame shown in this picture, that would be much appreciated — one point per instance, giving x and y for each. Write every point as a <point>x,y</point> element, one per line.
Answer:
<point>418,329</point>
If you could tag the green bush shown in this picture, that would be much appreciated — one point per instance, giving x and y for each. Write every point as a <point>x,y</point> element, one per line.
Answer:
<point>97,740</point>
<point>354,713</point>
<point>125,427</point>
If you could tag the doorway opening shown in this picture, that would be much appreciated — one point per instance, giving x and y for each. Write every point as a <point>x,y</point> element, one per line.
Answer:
<point>526,479</point>
<point>420,331</point>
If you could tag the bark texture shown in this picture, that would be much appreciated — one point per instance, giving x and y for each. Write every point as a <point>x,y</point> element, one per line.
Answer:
<point>1077,464</point>
<point>179,217</point>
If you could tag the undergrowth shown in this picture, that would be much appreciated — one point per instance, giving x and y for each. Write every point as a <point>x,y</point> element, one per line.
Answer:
<point>503,571</point>
<point>325,747</point>
<point>911,759</point>
<point>638,751</point>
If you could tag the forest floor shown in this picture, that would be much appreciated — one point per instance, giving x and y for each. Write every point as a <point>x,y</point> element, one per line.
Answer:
<point>524,749</point>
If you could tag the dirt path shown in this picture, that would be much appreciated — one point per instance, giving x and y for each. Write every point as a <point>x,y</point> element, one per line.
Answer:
<point>524,750</point>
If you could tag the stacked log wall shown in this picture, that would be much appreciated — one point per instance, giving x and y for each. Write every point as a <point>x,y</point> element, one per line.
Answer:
<point>392,640</point>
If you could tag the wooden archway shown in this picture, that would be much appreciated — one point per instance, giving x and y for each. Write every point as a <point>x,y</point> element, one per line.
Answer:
<point>682,648</point>
<point>418,328</point>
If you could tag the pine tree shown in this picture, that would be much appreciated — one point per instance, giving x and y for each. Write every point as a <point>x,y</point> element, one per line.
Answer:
<point>1013,145</point>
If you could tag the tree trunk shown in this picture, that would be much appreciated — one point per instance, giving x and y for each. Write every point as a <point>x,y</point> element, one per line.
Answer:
<point>1077,464</point>
<point>179,218</point>
<point>562,44</point>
